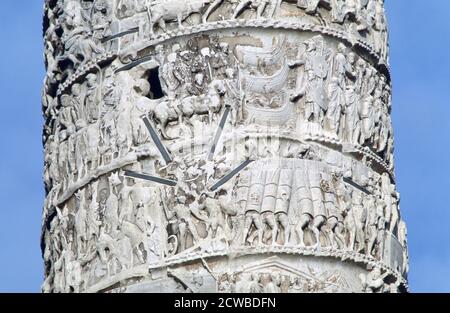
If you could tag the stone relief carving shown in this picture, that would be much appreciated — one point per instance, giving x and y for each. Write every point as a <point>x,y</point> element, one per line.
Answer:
<point>239,140</point>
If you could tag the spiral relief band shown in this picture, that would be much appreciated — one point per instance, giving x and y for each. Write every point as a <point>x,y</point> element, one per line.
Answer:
<point>219,146</point>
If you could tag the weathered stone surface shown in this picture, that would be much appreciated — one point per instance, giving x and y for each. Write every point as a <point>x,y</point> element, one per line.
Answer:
<point>219,146</point>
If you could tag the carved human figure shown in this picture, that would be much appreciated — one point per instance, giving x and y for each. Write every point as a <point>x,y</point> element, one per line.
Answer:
<point>255,285</point>
<point>395,214</point>
<point>360,217</point>
<point>92,146</point>
<point>93,214</point>
<point>351,100</point>
<point>215,215</point>
<point>381,225</point>
<point>335,224</point>
<point>52,170</point>
<point>170,77</point>
<point>272,284</point>
<point>366,111</point>
<point>316,185</point>
<point>340,69</point>
<point>92,100</point>
<point>67,114</point>
<point>253,218</point>
<point>380,30</point>
<point>371,224</point>
<point>125,200</point>
<point>77,102</point>
<point>81,149</point>
<point>111,213</point>
<point>78,45</point>
<point>73,269</point>
<point>366,17</point>
<point>281,213</point>
<point>182,214</point>
<point>314,60</point>
<point>374,282</point>
<point>81,222</point>
<point>304,204</point>
<point>141,107</point>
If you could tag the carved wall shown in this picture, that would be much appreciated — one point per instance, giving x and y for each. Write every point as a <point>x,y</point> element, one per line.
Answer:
<point>219,145</point>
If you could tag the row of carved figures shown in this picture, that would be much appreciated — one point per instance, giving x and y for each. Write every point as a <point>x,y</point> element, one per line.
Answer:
<point>339,91</point>
<point>111,223</point>
<point>76,31</point>
<point>184,74</point>
<point>279,207</point>
<point>106,229</point>
<point>343,94</point>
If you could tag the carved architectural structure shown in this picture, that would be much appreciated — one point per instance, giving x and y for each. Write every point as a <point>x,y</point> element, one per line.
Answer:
<point>219,145</point>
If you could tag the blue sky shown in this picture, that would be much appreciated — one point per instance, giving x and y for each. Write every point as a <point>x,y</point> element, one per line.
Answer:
<point>420,52</point>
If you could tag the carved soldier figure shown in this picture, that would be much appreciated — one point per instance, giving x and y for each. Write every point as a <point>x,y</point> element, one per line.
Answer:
<point>272,285</point>
<point>282,204</point>
<point>77,44</point>
<point>93,214</point>
<point>316,186</point>
<point>372,223</point>
<point>141,107</point>
<point>241,196</point>
<point>381,226</point>
<point>91,100</point>
<point>125,200</point>
<point>92,146</point>
<point>351,100</point>
<point>123,123</point>
<point>334,216</point>
<point>170,77</point>
<point>81,153</point>
<point>183,216</point>
<point>316,69</point>
<point>360,216</point>
<point>253,208</point>
<point>64,171</point>
<point>81,222</point>
<point>268,205</point>
<point>77,103</point>
<point>340,69</point>
<point>304,204</point>
<point>67,114</point>
<point>367,118</point>
<point>215,215</point>
<point>111,213</point>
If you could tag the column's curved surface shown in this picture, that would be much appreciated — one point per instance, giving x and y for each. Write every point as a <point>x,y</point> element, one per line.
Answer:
<point>219,146</point>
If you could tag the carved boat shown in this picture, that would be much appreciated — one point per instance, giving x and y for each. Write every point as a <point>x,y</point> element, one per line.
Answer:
<point>266,84</point>
<point>254,56</point>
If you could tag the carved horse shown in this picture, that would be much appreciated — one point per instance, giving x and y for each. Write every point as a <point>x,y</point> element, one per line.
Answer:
<point>169,111</point>
<point>170,10</point>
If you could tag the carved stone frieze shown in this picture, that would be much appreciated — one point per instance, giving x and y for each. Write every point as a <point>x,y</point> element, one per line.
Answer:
<point>185,141</point>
